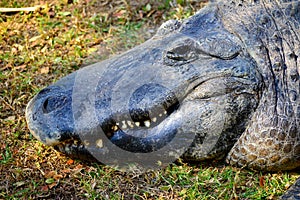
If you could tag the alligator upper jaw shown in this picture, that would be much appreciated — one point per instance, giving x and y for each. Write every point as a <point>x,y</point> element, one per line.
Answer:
<point>140,135</point>
<point>54,123</point>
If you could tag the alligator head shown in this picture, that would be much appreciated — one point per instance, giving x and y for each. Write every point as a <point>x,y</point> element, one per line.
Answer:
<point>196,81</point>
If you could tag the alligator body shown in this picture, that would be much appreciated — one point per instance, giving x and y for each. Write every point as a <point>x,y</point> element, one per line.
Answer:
<point>224,82</point>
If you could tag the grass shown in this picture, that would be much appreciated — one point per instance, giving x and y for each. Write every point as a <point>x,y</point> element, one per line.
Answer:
<point>37,49</point>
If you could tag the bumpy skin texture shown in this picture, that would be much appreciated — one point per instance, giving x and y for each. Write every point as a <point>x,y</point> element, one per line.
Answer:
<point>293,192</point>
<point>271,37</point>
<point>233,81</point>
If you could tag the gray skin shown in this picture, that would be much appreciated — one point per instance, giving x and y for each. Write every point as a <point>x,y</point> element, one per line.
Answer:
<point>229,73</point>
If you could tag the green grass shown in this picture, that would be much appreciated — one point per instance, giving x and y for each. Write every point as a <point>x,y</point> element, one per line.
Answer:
<point>37,49</point>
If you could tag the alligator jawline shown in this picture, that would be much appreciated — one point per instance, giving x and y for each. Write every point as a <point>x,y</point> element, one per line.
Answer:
<point>121,127</point>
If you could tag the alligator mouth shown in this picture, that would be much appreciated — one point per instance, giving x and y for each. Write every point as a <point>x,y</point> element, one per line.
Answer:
<point>127,135</point>
<point>143,130</point>
<point>74,143</point>
<point>140,133</point>
<point>140,119</point>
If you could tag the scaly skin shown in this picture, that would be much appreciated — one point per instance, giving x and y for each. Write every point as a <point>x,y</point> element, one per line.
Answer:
<point>232,80</point>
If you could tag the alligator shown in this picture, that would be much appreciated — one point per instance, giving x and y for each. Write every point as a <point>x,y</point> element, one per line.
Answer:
<point>223,83</point>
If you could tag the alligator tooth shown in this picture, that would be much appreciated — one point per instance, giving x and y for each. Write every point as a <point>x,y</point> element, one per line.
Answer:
<point>86,143</point>
<point>160,115</point>
<point>147,123</point>
<point>130,124</point>
<point>137,124</point>
<point>124,126</point>
<point>99,143</point>
<point>118,124</point>
<point>165,112</point>
<point>154,119</point>
<point>115,128</point>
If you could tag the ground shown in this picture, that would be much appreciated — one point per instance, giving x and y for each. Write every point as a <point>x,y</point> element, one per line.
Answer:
<point>37,48</point>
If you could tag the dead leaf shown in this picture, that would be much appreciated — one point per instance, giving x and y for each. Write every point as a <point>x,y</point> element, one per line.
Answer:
<point>52,185</point>
<point>70,162</point>
<point>78,167</point>
<point>66,171</point>
<point>45,70</point>
<point>35,38</point>
<point>21,67</point>
<point>119,14</point>
<point>50,174</point>
<point>45,188</point>
<point>262,181</point>
<point>11,118</point>
<point>57,176</point>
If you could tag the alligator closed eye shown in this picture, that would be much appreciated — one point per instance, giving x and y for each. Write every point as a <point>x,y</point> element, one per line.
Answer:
<point>214,45</point>
<point>182,52</point>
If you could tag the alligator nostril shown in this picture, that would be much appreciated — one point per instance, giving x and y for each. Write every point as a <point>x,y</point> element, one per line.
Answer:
<point>53,103</point>
<point>45,106</point>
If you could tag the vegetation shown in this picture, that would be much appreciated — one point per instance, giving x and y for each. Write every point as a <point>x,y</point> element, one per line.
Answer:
<point>37,48</point>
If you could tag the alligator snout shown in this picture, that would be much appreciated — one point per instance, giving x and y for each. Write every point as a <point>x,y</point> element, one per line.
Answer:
<point>51,102</point>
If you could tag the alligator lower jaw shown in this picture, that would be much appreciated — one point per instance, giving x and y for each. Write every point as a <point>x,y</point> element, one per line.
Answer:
<point>73,148</point>
<point>118,131</point>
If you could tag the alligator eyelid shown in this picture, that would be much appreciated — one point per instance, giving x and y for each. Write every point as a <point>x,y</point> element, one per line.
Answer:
<point>200,51</point>
<point>225,58</point>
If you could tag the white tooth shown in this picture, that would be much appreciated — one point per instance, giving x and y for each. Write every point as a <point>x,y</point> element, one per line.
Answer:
<point>130,124</point>
<point>115,128</point>
<point>160,115</point>
<point>86,143</point>
<point>137,124</point>
<point>99,143</point>
<point>147,123</point>
<point>124,126</point>
<point>118,124</point>
<point>165,112</point>
<point>154,119</point>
